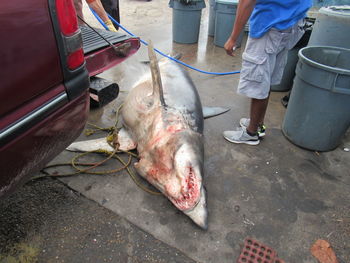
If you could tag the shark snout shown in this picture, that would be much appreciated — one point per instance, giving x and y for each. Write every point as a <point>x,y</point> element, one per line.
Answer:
<point>199,214</point>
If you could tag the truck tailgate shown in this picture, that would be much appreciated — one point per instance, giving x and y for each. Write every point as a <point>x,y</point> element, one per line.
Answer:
<point>99,55</point>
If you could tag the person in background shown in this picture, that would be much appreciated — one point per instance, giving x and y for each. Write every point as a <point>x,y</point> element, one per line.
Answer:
<point>275,26</point>
<point>97,6</point>
<point>112,8</point>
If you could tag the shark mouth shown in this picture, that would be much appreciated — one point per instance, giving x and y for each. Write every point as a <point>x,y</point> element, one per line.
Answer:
<point>190,193</point>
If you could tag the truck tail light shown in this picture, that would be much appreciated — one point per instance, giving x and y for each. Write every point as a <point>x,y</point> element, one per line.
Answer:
<point>68,23</point>
<point>67,17</point>
<point>75,59</point>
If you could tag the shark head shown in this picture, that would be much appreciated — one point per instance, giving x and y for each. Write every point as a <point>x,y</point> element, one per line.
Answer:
<point>191,197</point>
<point>175,167</point>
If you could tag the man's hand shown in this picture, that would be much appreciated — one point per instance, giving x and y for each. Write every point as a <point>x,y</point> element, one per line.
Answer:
<point>110,26</point>
<point>230,47</point>
<point>244,10</point>
<point>97,6</point>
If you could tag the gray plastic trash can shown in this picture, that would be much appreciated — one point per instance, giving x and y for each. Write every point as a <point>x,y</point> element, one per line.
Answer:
<point>292,60</point>
<point>320,3</point>
<point>288,72</point>
<point>211,23</point>
<point>186,20</point>
<point>318,112</point>
<point>225,14</point>
<point>332,27</point>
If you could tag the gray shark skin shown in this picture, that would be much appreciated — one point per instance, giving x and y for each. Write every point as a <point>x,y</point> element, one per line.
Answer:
<point>163,115</point>
<point>163,118</point>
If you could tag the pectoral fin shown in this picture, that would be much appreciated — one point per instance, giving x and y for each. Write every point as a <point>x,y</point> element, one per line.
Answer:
<point>213,111</point>
<point>126,143</point>
<point>90,145</point>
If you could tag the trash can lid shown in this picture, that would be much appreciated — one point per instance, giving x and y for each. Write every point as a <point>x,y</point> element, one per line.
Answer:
<point>194,5</point>
<point>227,2</point>
<point>328,58</point>
<point>336,10</point>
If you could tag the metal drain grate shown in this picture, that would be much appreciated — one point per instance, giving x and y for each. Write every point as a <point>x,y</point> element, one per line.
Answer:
<point>256,252</point>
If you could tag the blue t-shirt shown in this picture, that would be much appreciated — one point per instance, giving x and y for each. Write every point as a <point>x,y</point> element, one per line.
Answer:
<point>279,14</point>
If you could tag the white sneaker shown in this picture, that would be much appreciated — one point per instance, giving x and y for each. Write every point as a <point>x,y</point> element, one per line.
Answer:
<point>244,122</point>
<point>241,136</point>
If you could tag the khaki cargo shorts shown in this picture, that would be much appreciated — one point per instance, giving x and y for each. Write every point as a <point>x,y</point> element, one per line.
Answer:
<point>264,59</point>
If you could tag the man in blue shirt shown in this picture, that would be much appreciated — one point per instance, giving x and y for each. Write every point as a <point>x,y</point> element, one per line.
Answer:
<point>275,26</point>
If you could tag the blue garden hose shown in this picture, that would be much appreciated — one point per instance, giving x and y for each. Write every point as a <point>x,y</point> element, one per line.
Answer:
<point>158,51</point>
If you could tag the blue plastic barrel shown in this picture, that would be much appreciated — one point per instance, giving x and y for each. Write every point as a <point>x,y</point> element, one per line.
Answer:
<point>318,113</point>
<point>186,20</point>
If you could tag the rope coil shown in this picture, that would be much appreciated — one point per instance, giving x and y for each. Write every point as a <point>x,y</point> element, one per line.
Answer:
<point>116,154</point>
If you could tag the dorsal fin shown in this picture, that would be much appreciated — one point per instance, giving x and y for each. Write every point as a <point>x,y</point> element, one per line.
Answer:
<point>155,72</point>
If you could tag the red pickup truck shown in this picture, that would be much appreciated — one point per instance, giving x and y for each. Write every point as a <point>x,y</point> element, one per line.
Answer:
<point>48,65</point>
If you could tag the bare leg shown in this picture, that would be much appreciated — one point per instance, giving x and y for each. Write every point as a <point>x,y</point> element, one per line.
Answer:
<point>257,114</point>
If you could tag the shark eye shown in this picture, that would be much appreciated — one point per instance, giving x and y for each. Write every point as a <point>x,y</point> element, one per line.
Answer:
<point>148,103</point>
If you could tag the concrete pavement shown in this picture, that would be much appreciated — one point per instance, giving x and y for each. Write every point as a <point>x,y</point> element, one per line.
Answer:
<point>278,193</point>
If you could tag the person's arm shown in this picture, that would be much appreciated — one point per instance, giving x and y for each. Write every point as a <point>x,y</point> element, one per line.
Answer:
<point>244,10</point>
<point>97,6</point>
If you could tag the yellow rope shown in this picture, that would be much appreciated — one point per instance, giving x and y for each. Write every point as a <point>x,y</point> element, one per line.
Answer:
<point>94,165</point>
<point>74,164</point>
<point>110,139</point>
<point>137,182</point>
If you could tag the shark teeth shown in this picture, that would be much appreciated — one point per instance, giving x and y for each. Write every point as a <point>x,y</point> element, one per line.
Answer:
<point>190,194</point>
